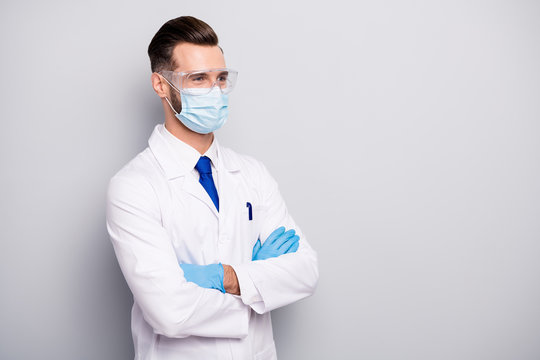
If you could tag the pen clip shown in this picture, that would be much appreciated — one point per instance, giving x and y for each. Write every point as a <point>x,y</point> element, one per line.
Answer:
<point>250,212</point>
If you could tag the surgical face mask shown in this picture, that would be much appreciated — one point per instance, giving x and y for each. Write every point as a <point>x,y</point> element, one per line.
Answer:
<point>203,114</point>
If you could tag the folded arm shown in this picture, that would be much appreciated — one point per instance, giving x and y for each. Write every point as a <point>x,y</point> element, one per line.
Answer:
<point>222,277</point>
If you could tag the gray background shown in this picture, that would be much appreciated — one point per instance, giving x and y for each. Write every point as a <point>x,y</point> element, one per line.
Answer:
<point>404,136</point>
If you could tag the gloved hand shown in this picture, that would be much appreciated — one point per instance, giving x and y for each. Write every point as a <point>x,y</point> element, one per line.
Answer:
<point>279,242</point>
<point>206,276</point>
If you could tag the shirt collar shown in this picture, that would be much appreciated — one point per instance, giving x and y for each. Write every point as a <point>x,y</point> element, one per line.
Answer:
<point>173,165</point>
<point>186,154</point>
<point>212,153</point>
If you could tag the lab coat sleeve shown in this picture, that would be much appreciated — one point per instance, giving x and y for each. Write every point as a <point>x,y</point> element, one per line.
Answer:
<point>172,306</point>
<point>269,284</point>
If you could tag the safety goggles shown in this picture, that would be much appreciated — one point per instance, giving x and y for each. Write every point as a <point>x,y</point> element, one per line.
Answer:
<point>201,82</point>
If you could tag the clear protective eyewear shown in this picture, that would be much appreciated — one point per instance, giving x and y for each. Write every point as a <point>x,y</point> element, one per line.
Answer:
<point>201,82</point>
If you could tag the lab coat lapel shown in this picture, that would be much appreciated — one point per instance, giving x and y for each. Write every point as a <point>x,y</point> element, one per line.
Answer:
<point>173,169</point>
<point>228,184</point>
<point>229,181</point>
<point>194,187</point>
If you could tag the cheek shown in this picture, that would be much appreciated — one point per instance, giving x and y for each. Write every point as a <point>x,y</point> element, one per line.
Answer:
<point>175,100</point>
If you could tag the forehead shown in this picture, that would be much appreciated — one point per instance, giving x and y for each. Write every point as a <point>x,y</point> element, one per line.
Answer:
<point>190,57</point>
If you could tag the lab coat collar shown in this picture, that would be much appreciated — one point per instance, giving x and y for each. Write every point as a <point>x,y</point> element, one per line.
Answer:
<point>226,158</point>
<point>182,152</point>
<point>174,167</point>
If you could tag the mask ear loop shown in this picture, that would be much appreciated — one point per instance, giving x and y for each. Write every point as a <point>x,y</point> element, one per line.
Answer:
<point>168,102</point>
<point>166,99</point>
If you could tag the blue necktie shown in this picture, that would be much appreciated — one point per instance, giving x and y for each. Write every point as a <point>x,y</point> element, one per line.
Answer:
<point>207,181</point>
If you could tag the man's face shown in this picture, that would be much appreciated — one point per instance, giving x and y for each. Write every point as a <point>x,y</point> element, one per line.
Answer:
<point>191,57</point>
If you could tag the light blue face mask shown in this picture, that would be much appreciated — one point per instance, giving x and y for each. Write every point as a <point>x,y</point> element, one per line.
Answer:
<point>203,113</point>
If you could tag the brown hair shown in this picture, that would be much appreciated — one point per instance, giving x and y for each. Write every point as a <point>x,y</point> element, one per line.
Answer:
<point>184,29</point>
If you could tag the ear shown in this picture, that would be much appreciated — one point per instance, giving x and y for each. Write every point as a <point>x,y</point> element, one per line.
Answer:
<point>160,85</point>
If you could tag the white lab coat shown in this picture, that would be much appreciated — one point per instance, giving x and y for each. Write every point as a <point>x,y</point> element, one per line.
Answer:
<point>158,215</point>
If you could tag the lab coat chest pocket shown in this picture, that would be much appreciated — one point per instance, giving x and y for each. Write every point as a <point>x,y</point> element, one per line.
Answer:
<point>249,225</point>
<point>255,219</point>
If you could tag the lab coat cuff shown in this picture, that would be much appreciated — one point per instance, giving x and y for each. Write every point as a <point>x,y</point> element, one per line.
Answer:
<point>248,291</point>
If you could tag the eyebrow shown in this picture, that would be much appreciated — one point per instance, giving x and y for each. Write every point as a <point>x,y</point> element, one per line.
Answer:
<point>205,73</point>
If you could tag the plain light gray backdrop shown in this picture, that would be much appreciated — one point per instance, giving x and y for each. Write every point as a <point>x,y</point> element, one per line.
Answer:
<point>404,136</point>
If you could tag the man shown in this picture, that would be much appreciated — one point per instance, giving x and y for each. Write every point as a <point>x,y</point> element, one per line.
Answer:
<point>187,219</point>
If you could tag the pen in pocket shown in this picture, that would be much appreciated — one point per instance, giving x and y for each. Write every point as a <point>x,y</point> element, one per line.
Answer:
<point>250,212</point>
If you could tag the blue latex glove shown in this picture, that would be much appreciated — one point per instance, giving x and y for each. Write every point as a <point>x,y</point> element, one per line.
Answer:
<point>279,242</point>
<point>206,276</point>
